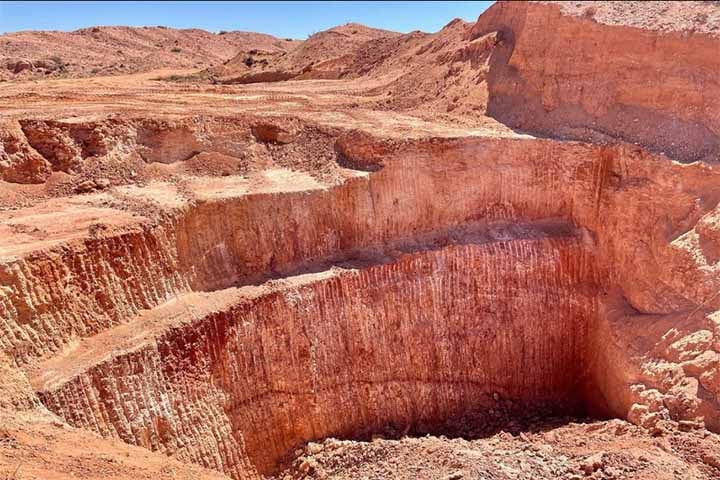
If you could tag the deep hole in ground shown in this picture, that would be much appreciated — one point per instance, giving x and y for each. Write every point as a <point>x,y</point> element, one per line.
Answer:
<point>224,273</point>
<point>457,287</point>
<point>466,332</point>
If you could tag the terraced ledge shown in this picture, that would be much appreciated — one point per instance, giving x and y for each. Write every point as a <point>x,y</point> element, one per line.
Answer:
<point>509,244</point>
<point>412,338</point>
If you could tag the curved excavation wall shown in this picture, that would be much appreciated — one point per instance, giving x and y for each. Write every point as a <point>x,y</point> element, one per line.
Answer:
<point>476,267</point>
<point>54,296</point>
<point>412,342</point>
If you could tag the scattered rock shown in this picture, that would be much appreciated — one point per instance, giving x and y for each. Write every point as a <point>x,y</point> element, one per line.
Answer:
<point>85,186</point>
<point>308,465</point>
<point>18,66</point>
<point>711,459</point>
<point>272,133</point>
<point>102,183</point>
<point>592,463</point>
<point>314,448</point>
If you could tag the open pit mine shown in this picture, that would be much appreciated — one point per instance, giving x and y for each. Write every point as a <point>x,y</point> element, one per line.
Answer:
<point>490,252</point>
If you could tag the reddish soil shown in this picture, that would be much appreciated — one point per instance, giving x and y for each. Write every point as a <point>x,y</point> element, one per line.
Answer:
<point>667,17</point>
<point>101,51</point>
<point>557,449</point>
<point>488,252</point>
<point>326,54</point>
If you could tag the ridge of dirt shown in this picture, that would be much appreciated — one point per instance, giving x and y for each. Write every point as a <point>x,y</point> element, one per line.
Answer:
<point>113,50</point>
<point>324,54</point>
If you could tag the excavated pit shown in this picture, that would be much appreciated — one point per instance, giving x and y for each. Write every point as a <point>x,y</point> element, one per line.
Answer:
<point>443,286</point>
<point>495,320</point>
<point>497,227</point>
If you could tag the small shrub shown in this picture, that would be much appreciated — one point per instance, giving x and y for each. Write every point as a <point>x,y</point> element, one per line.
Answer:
<point>176,50</point>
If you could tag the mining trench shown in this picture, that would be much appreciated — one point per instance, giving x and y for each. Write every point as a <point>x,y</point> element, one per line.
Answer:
<point>457,280</point>
<point>241,376</point>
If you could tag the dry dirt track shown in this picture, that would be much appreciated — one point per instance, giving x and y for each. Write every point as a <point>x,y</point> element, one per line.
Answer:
<point>336,102</point>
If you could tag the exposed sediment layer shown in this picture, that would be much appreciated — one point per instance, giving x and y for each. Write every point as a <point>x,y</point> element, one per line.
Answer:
<point>564,75</point>
<point>231,231</point>
<point>412,342</point>
<point>636,216</point>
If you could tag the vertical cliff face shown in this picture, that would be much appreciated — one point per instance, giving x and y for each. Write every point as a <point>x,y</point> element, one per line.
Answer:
<point>83,288</point>
<point>52,295</point>
<point>480,270</point>
<point>566,75</point>
<point>412,342</point>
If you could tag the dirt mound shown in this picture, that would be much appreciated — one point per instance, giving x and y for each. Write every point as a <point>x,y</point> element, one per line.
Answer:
<point>117,50</point>
<point>325,54</point>
<point>434,75</point>
<point>545,451</point>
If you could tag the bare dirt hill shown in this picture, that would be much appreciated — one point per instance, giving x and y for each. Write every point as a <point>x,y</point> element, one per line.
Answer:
<point>432,74</point>
<point>327,54</point>
<point>466,70</point>
<point>116,50</point>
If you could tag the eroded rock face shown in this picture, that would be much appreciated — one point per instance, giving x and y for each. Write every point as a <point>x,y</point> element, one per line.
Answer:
<point>560,74</point>
<point>19,163</point>
<point>414,342</point>
<point>234,379</point>
<point>125,150</point>
<point>228,288</point>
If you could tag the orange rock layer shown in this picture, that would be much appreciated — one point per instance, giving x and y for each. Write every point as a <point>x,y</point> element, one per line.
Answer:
<point>540,271</point>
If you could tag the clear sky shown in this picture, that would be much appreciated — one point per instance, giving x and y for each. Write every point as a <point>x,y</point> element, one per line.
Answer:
<point>283,19</point>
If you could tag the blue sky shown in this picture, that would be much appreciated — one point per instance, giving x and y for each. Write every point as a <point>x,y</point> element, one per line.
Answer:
<point>283,19</point>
